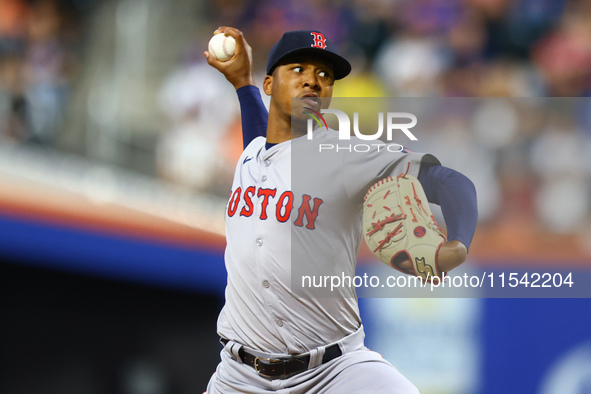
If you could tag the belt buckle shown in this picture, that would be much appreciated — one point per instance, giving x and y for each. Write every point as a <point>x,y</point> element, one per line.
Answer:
<point>271,362</point>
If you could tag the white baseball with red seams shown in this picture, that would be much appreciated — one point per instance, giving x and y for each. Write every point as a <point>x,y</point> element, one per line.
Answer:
<point>222,47</point>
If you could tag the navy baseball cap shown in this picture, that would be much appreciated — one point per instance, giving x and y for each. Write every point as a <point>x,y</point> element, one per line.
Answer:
<point>310,42</point>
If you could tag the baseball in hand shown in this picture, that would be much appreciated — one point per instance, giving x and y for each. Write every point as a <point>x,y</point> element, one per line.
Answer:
<point>222,47</point>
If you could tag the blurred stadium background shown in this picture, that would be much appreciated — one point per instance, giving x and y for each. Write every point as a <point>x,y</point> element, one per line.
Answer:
<point>117,144</point>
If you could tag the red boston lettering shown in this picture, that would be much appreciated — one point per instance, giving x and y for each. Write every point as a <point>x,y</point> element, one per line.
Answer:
<point>308,210</point>
<point>310,213</point>
<point>234,200</point>
<point>266,193</point>
<point>247,208</point>
<point>288,205</point>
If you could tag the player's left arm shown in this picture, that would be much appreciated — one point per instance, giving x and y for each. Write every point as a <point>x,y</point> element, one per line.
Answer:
<point>253,114</point>
<point>456,195</point>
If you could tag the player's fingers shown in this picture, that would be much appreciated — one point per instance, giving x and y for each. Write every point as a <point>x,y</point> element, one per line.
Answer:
<point>228,31</point>
<point>208,57</point>
<point>212,61</point>
<point>406,265</point>
<point>237,35</point>
<point>221,29</point>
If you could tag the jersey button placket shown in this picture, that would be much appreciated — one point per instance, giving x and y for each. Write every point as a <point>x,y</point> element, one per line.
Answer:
<point>267,163</point>
<point>269,294</point>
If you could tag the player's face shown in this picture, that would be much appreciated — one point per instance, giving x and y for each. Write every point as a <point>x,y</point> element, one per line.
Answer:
<point>307,78</point>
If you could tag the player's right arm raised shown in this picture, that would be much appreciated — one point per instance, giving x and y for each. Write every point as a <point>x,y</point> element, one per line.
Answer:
<point>238,71</point>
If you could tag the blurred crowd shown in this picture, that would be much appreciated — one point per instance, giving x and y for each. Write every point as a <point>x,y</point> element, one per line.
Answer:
<point>439,47</point>
<point>38,58</point>
<point>531,166</point>
<point>538,170</point>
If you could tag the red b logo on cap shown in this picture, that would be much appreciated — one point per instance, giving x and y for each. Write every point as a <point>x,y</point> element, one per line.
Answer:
<point>319,40</point>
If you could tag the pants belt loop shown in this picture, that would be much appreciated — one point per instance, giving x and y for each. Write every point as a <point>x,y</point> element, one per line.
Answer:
<point>316,357</point>
<point>234,348</point>
<point>352,342</point>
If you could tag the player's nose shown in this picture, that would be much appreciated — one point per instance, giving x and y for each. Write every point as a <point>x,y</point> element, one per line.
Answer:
<point>311,80</point>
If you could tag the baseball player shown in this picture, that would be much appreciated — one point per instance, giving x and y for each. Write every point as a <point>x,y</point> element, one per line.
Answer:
<point>274,341</point>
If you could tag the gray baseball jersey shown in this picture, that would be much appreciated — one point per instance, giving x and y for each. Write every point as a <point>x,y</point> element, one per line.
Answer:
<point>294,204</point>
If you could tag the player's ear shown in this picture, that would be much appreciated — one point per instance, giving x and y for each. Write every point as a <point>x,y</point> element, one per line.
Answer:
<point>267,83</point>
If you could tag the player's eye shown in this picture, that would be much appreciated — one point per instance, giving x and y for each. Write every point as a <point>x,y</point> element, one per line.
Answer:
<point>298,69</point>
<point>325,74</point>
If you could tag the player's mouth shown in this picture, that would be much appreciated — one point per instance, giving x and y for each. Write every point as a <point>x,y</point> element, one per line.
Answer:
<point>311,100</point>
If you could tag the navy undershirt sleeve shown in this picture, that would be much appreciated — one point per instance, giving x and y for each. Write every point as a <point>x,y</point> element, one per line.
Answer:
<point>253,112</point>
<point>456,195</point>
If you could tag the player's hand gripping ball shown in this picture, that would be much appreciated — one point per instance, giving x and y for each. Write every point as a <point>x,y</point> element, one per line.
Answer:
<point>222,47</point>
<point>398,225</point>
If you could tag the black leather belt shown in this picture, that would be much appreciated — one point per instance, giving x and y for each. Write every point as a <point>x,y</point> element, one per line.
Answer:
<point>283,368</point>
